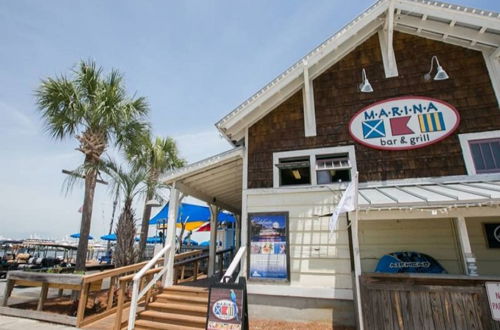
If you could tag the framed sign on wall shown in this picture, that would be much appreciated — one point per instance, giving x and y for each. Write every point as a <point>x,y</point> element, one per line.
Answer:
<point>269,246</point>
<point>492,232</point>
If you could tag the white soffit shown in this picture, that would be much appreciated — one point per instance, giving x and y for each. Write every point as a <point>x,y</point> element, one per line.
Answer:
<point>216,180</point>
<point>463,26</point>
<point>430,194</point>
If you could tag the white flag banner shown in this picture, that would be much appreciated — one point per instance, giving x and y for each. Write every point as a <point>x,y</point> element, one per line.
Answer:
<point>347,203</point>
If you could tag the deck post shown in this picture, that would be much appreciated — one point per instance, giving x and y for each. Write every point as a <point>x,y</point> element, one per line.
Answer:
<point>43,296</point>
<point>469,261</point>
<point>119,306</point>
<point>173,210</point>
<point>214,210</point>
<point>8,291</point>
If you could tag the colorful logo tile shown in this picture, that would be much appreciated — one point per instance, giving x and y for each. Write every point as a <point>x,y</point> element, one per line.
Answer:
<point>373,129</point>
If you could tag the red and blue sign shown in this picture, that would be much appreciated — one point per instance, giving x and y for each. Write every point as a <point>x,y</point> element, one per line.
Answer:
<point>404,123</point>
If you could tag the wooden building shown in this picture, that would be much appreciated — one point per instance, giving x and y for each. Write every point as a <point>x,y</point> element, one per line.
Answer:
<point>427,152</point>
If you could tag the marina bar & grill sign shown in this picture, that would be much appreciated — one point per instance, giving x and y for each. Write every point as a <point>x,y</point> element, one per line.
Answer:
<point>404,123</point>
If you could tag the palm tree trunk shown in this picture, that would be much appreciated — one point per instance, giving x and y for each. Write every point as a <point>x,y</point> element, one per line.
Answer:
<point>88,201</point>
<point>146,215</point>
<point>125,232</point>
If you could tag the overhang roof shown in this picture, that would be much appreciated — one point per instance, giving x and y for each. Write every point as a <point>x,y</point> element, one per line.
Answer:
<point>459,192</point>
<point>216,180</point>
<point>464,26</point>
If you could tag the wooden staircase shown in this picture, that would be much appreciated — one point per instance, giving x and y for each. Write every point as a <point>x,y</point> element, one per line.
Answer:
<point>176,308</point>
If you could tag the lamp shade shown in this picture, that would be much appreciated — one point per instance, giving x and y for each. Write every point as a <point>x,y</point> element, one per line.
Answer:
<point>441,74</point>
<point>366,87</point>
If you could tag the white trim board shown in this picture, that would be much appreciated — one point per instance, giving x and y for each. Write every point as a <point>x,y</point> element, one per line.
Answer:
<point>297,291</point>
<point>466,152</point>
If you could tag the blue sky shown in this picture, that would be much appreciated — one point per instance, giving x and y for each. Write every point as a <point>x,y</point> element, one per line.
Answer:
<point>194,61</point>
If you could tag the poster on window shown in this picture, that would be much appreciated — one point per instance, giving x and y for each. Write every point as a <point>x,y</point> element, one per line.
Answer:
<point>268,237</point>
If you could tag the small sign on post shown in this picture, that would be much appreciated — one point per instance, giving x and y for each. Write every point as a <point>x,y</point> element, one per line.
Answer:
<point>493,292</point>
<point>227,306</point>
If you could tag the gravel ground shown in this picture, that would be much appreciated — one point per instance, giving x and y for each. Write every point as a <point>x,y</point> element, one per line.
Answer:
<point>16,323</point>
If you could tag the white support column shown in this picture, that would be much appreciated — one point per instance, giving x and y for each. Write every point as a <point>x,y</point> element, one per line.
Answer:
<point>173,208</point>
<point>357,268</point>
<point>469,261</point>
<point>237,232</point>
<point>385,37</point>
<point>308,104</point>
<point>243,216</point>
<point>214,210</point>
<point>492,61</point>
<point>244,233</point>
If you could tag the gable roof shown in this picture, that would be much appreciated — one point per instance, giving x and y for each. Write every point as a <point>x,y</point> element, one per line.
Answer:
<point>459,25</point>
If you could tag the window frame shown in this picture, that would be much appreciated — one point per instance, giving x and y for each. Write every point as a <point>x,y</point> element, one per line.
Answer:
<point>312,153</point>
<point>465,140</point>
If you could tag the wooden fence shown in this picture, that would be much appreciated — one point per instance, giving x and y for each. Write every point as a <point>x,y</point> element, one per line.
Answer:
<point>425,301</point>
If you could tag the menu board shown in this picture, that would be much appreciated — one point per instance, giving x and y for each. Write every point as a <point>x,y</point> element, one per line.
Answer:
<point>268,237</point>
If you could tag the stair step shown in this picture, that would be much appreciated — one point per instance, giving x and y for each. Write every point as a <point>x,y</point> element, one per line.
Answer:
<point>178,298</point>
<point>147,325</point>
<point>186,290</point>
<point>187,309</point>
<point>173,318</point>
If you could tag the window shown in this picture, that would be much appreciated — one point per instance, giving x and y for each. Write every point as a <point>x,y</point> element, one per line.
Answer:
<point>294,171</point>
<point>314,166</point>
<point>486,155</point>
<point>481,152</point>
<point>333,169</point>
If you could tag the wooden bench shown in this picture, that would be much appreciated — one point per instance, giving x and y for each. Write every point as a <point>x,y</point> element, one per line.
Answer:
<point>45,281</point>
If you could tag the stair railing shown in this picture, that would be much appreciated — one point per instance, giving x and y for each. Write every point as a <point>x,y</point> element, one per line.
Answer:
<point>228,275</point>
<point>136,295</point>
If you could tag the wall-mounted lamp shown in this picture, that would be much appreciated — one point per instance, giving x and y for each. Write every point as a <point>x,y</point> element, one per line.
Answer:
<point>440,73</point>
<point>365,86</point>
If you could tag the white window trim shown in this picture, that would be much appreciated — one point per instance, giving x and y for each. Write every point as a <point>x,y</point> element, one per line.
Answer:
<point>464,143</point>
<point>312,153</point>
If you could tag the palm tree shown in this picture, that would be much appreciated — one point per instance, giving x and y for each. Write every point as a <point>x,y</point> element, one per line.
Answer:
<point>96,110</point>
<point>128,184</point>
<point>154,156</point>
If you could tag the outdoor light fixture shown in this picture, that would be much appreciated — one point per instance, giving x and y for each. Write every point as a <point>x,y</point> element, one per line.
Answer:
<point>440,74</point>
<point>296,174</point>
<point>365,86</point>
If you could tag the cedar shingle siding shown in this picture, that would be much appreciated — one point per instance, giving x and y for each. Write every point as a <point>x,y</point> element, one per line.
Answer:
<point>337,99</point>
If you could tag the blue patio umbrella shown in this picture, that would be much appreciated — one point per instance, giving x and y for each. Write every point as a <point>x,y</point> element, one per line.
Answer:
<point>109,237</point>
<point>153,240</point>
<point>77,235</point>
<point>190,242</point>
<point>205,243</point>
<point>192,214</point>
<point>150,240</point>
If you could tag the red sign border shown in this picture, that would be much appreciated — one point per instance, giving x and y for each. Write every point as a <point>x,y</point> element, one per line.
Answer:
<point>451,131</point>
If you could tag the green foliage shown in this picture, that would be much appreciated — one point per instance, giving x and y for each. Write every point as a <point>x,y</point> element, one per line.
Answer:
<point>88,101</point>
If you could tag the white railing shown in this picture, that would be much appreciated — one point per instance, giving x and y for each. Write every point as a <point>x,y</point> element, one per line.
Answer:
<point>136,295</point>
<point>234,264</point>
